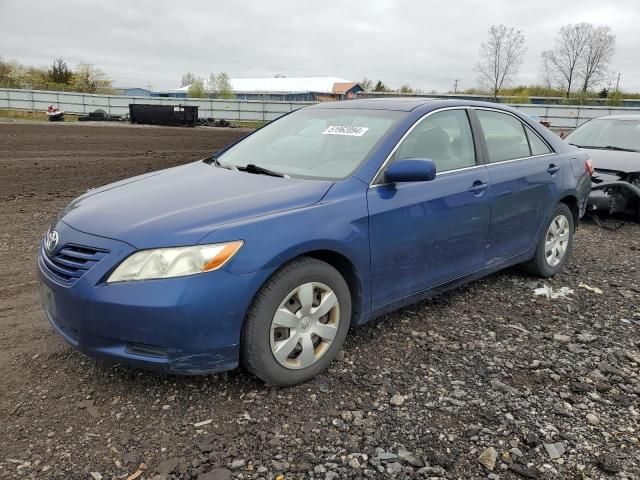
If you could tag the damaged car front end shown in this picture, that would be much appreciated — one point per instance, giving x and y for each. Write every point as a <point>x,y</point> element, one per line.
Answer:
<point>615,192</point>
<point>613,144</point>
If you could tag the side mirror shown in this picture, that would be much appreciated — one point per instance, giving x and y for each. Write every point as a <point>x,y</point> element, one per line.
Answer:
<point>411,170</point>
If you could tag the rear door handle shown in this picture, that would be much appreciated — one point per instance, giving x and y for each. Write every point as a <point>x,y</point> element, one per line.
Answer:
<point>478,187</point>
<point>553,169</point>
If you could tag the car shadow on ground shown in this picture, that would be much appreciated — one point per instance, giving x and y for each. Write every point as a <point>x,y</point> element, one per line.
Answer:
<point>238,381</point>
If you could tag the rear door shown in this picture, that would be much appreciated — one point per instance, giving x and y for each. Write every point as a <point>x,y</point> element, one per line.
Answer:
<point>423,234</point>
<point>526,176</point>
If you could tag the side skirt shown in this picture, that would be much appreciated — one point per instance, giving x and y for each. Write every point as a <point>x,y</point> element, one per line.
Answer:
<point>438,289</point>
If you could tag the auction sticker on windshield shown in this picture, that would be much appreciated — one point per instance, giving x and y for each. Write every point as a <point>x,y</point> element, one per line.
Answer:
<point>345,130</point>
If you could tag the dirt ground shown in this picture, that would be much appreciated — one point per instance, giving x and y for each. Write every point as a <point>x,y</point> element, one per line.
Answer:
<point>536,387</point>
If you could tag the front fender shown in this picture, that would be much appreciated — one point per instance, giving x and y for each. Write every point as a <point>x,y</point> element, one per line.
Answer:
<point>339,224</point>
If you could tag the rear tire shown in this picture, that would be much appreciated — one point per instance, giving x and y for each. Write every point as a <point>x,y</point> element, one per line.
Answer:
<point>555,246</point>
<point>288,338</point>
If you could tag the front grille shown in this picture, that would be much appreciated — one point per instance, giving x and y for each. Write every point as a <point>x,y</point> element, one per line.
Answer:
<point>71,262</point>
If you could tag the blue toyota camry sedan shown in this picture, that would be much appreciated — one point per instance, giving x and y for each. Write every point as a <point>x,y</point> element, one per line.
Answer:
<point>267,252</point>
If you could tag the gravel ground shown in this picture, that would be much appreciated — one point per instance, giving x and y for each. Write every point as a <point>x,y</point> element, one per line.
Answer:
<point>486,381</point>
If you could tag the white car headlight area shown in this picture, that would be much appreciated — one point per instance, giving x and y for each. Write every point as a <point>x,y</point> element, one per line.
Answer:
<point>174,262</point>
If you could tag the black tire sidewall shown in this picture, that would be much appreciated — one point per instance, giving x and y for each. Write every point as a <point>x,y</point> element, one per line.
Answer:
<point>256,342</point>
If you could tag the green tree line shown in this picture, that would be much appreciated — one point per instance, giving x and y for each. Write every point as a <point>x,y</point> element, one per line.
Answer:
<point>85,77</point>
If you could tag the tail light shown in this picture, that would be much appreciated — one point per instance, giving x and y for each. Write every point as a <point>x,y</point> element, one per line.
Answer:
<point>588,166</point>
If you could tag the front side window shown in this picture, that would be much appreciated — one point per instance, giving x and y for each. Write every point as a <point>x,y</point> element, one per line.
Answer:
<point>504,135</point>
<point>327,143</point>
<point>444,137</point>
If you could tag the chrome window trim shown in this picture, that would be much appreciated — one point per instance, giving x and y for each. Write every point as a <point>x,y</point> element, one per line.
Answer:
<point>519,159</point>
<point>459,169</point>
<point>407,133</point>
<point>373,183</point>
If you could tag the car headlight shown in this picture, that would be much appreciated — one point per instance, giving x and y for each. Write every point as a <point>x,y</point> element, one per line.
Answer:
<point>174,262</point>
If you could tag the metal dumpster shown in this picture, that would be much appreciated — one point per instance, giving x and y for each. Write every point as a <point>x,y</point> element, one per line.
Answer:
<point>173,115</point>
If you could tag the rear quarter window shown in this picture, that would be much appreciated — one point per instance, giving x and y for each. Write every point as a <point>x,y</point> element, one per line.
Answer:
<point>538,146</point>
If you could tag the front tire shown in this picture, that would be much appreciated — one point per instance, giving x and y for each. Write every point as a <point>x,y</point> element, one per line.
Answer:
<point>297,323</point>
<point>555,246</point>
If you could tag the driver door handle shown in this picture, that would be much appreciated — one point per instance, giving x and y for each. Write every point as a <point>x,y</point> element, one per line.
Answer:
<point>553,169</point>
<point>478,187</point>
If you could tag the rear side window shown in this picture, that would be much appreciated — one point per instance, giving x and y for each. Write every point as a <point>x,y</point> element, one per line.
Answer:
<point>444,137</point>
<point>538,147</point>
<point>505,136</point>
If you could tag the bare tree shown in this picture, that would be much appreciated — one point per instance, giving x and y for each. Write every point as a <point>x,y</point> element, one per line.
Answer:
<point>547,74</point>
<point>564,59</point>
<point>366,84</point>
<point>599,48</point>
<point>500,57</point>
<point>212,83</point>
<point>187,79</point>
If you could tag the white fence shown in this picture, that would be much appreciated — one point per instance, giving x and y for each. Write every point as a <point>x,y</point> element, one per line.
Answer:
<point>571,116</point>
<point>560,116</point>
<point>81,103</point>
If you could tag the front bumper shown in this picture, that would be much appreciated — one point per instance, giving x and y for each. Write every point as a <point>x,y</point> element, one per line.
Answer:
<point>188,325</point>
<point>611,194</point>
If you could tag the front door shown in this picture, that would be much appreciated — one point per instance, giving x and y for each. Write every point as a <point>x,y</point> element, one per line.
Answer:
<point>424,234</point>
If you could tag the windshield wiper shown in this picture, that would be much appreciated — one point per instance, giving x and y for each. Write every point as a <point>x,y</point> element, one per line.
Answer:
<point>216,162</point>
<point>252,168</point>
<point>620,149</point>
<point>605,147</point>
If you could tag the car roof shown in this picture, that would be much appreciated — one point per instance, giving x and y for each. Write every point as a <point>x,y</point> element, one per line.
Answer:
<point>634,116</point>
<point>404,104</point>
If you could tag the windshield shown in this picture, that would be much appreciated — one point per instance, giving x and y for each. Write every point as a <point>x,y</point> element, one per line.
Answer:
<point>314,142</point>
<point>603,133</point>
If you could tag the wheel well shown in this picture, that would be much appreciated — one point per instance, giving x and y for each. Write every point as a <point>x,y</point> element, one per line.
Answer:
<point>348,272</point>
<point>571,202</point>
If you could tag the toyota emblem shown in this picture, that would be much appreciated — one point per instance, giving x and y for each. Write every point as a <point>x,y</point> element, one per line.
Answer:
<point>51,241</point>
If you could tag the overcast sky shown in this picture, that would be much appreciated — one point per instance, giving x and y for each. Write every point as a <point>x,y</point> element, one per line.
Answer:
<point>427,44</point>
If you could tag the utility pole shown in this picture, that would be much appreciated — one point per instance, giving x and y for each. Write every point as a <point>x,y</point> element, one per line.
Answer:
<point>455,86</point>
<point>618,82</point>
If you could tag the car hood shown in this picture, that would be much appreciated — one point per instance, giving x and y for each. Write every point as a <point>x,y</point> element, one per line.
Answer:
<point>180,205</point>
<point>614,160</point>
